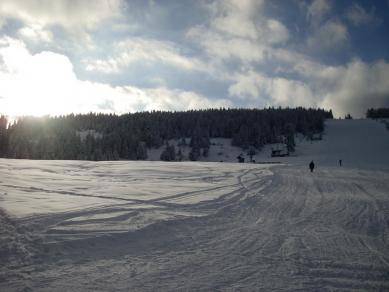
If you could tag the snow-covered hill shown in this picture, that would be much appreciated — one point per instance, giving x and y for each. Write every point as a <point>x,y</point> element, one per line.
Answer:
<point>195,226</point>
<point>359,143</point>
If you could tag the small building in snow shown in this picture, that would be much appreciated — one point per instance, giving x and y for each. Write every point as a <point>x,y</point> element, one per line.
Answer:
<point>317,137</point>
<point>279,150</point>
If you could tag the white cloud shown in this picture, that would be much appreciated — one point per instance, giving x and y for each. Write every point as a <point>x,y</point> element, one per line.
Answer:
<point>313,84</point>
<point>274,32</point>
<point>36,34</point>
<point>168,99</point>
<point>245,20</point>
<point>235,25</point>
<point>275,91</point>
<point>221,48</point>
<point>236,17</point>
<point>332,34</point>
<point>76,17</point>
<point>357,87</point>
<point>352,88</point>
<point>318,9</point>
<point>286,92</point>
<point>247,85</point>
<point>45,83</point>
<point>357,15</point>
<point>2,22</point>
<point>146,50</point>
<point>238,30</point>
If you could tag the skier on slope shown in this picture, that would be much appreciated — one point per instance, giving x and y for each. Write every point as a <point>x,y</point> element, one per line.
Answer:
<point>311,166</point>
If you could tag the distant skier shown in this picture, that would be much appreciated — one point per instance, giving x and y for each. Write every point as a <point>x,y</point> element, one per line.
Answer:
<point>311,166</point>
<point>340,162</point>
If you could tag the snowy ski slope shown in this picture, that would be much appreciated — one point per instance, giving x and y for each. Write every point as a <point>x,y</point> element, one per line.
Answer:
<point>154,226</point>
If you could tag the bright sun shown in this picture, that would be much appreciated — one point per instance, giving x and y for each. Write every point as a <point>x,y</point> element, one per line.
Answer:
<point>45,84</point>
<point>36,85</point>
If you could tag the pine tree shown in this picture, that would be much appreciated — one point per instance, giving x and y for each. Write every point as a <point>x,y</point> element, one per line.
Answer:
<point>141,151</point>
<point>169,153</point>
<point>251,153</point>
<point>3,136</point>
<point>128,136</point>
<point>290,132</point>
<point>194,154</point>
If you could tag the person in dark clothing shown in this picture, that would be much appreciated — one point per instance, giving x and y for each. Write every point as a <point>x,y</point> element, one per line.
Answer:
<point>340,162</point>
<point>311,166</point>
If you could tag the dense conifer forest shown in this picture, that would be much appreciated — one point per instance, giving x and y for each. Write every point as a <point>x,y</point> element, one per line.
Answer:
<point>112,137</point>
<point>379,113</point>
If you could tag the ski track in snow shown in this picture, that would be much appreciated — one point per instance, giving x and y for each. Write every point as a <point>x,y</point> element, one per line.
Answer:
<point>153,226</point>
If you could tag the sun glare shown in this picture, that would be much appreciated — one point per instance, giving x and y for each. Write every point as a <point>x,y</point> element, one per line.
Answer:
<point>46,84</point>
<point>33,84</point>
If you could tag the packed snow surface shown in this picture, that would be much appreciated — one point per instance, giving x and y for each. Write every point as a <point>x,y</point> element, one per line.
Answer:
<point>203,226</point>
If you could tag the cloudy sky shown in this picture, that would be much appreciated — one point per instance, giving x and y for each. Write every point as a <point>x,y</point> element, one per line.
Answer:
<point>63,56</point>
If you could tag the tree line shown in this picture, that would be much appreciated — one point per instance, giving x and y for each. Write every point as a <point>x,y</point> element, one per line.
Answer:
<point>112,137</point>
<point>378,113</point>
